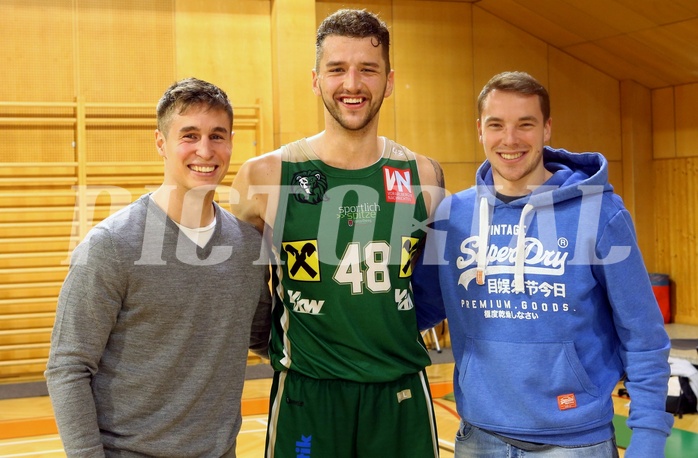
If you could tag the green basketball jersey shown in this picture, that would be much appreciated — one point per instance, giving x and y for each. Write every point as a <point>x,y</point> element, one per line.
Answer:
<point>344,242</point>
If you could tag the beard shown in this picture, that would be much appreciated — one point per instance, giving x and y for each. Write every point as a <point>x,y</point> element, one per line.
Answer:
<point>352,124</point>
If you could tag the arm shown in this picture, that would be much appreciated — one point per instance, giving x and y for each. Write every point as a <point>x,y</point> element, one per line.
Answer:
<point>426,285</point>
<point>88,307</point>
<point>644,342</point>
<point>428,300</point>
<point>425,277</point>
<point>257,187</point>
<point>431,177</point>
<point>261,322</point>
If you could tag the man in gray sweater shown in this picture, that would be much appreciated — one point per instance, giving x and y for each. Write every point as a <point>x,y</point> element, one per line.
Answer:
<point>161,303</point>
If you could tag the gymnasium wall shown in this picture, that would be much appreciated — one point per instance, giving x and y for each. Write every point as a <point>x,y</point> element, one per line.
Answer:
<point>674,188</point>
<point>81,79</point>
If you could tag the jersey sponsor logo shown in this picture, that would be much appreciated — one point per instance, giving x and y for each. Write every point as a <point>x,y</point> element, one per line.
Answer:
<point>566,401</point>
<point>398,185</point>
<point>403,300</point>
<point>364,213</point>
<point>303,447</point>
<point>303,262</point>
<point>300,305</point>
<point>309,186</point>
<point>407,255</point>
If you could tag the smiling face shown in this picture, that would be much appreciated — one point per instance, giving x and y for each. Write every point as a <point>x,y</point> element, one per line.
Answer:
<point>513,133</point>
<point>352,78</point>
<point>196,148</point>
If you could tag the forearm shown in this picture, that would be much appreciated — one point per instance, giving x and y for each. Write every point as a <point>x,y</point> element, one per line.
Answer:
<point>74,410</point>
<point>644,342</point>
<point>261,323</point>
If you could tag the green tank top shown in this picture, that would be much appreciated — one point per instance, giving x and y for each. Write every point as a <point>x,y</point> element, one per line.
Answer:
<point>344,242</point>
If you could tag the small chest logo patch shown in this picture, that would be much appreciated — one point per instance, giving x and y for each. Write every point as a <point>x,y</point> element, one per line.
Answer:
<point>398,185</point>
<point>309,186</point>
<point>566,401</point>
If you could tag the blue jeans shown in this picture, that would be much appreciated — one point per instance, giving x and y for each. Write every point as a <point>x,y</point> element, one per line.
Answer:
<point>472,442</point>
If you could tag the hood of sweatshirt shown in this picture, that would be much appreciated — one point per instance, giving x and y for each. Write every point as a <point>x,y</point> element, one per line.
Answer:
<point>575,175</point>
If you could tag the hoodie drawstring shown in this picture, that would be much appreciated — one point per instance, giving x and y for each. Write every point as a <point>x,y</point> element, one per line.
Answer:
<point>520,262</point>
<point>483,241</point>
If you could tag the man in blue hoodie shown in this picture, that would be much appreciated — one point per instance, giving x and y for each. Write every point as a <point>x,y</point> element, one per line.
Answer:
<point>549,304</point>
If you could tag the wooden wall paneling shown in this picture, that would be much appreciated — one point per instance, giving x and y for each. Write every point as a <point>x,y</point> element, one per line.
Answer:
<point>384,9</point>
<point>31,260</point>
<point>686,101</point>
<point>589,24</point>
<point>676,199</point>
<point>615,176</point>
<point>36,132</point>
<point>611,17</point>
<point>637,164</point>
<point>34,240</point>
<point>295,110</point>
<point>28,305</point>
<point>36,225</point>
<point>672,47</point>
<point>434,113</point>
<point>611,60</point>
<point>688,301</point>
<point>37,143</point>
<point>665,12</point>
<point>663,123</point>
<point>125,50</point>
<point>664,193</point>
<point>71,145</point>
<point>626,57</point>
<point>585,106</point>
<point>36,229</point>
<point>526,13</point>
<point>120,131</point>
<point>229,44</point>
<point>497,47</point>
<point>250,132</point>
<point>623,39</point>
<point>459,176</point>
<point>37,41</point>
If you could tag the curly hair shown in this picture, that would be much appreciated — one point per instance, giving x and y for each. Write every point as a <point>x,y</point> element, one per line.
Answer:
<point>355,24</point>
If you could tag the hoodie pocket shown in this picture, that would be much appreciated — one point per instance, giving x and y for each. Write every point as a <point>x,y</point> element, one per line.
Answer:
<point>524,387</point>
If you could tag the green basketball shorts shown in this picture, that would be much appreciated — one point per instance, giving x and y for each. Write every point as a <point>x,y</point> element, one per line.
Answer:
<point>310,418</point>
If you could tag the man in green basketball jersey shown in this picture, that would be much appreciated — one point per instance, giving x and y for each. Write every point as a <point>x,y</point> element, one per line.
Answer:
<point>346,225</point>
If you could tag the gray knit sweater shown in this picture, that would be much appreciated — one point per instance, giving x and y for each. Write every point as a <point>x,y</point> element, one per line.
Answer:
<point>150,343</point>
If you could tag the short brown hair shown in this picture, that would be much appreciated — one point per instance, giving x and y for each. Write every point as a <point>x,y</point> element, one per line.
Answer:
<point>189,92</point>
<point>519,82</point>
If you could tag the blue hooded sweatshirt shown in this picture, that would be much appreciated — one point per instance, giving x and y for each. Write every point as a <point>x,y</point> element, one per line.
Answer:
<point>549,305</point>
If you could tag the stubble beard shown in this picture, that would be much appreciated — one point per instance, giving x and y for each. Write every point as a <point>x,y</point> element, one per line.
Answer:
<point>517,173</point>
<point>334,110</point>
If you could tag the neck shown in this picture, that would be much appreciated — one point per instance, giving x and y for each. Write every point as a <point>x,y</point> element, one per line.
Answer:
<point>191,209</point>
<point>348,150</point>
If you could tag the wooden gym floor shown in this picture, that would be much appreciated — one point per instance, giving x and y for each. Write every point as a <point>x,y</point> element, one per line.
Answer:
<point>27,428</point>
